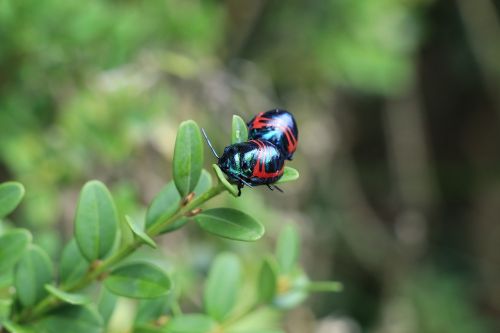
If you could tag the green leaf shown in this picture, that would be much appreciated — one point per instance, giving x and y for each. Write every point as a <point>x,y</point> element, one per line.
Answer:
<point>230,223</point>
<point>191,323</point>
<point>5,306</point>
<point>164,205</point>
<point>179,223</point>
<point>71,318</point>
<point>149,310</point>
<point>287,249</point>
<point>268,281</point>
<point>106,304</point>
<point>13,243</point>
<point>188,157</point>
<point>15,328</point>
<point>240,130</point>
<point>11,194</point>
<point>138,230</point>
<point>126,235</point>
<point>33,272</point>
<point>71,298</point>
<point>231,188</point>
<point>138,280</point>
<point>73,265</point>
<point>96,222</point>
<point>6,279</point>
<point>148,328</point>
<point>221,289</point>
<point>289,174</point>
<point>204,184</point>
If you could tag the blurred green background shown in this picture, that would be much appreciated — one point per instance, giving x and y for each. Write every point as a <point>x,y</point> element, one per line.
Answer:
<point>398,106</point>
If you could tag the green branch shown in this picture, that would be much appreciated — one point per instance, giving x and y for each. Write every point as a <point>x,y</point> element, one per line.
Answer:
<point>50,302</point>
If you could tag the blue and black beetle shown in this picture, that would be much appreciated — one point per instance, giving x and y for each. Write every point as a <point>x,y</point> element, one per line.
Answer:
<point>278,127</point>
<point>251,163</point>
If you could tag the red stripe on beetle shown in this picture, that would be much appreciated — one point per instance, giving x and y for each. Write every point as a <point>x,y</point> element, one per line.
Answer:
<point>261,122</point>
<point>259,169</point>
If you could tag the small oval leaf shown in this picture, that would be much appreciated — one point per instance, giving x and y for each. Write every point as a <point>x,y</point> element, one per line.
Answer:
<point>177,224</point>
<point>204,184</point>
<point>15,328</point>
<point>240,130</point>
<point>11,194</point>
<point>33,272</point>
<point>230,223</point>
<point>138,230</point>
<point>221,289</point>
<point>188,157</point>
<point>71,298</point>
<point>268,280</point>
<point>138,280</point>
<point>289,174</point>
<point>13,243</point>
<point>106,304</point>
<point>5,307</point>
<point>287,249</point>
<point>231,188</point>
<point>73,265</point>
<point>96,222</point>
<point>71,318</point>
<point>191,323</point>
<point>149,310</point>
<point>164,205</point>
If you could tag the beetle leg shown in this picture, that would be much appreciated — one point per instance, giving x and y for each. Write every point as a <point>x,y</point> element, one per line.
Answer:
<point>269,187</point>
<point>240,186</point>
<point>276,187</point>
<point>242,182</point>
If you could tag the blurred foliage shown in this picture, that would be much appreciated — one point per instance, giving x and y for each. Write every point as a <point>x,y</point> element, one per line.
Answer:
<point>95,89</point>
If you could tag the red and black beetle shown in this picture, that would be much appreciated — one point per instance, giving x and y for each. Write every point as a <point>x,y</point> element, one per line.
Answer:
<point>251,163</point>
<point>278,127</point>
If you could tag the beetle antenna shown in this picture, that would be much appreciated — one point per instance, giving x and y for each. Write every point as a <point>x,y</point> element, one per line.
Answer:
<point>209,143</point>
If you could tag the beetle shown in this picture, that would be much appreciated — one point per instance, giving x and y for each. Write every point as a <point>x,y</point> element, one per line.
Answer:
<point>251,163</point>
<point>277,126</point>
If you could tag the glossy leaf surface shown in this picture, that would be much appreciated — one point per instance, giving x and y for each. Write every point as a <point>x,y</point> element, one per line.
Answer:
<point>138,231</point>
<point>13,243</point>
<point>138,280</point>
<point>33,272</point>
<point>164,205</point>
<point>96,222</point>
<point>188,157</point>
<point>230,223</point>
<point>221,288</point>
<point>239,131</point>
<point>71,318</point>
<point>11,194</point>
<point>231,188</point>
<point>73,265</point>
<point>71,298</point>
<point>289,174</point>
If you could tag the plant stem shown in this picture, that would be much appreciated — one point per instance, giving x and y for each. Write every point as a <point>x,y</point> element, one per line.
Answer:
<point>50,302</point>
<point>324,286</point>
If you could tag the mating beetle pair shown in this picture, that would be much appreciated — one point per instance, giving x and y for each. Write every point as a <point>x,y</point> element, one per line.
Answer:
<point>273,137</point>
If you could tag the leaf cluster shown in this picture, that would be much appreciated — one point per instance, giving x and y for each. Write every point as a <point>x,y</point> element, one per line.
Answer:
<point>53,296</point>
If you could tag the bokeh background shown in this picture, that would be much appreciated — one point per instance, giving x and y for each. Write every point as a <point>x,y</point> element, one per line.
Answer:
<point>398,106</point>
